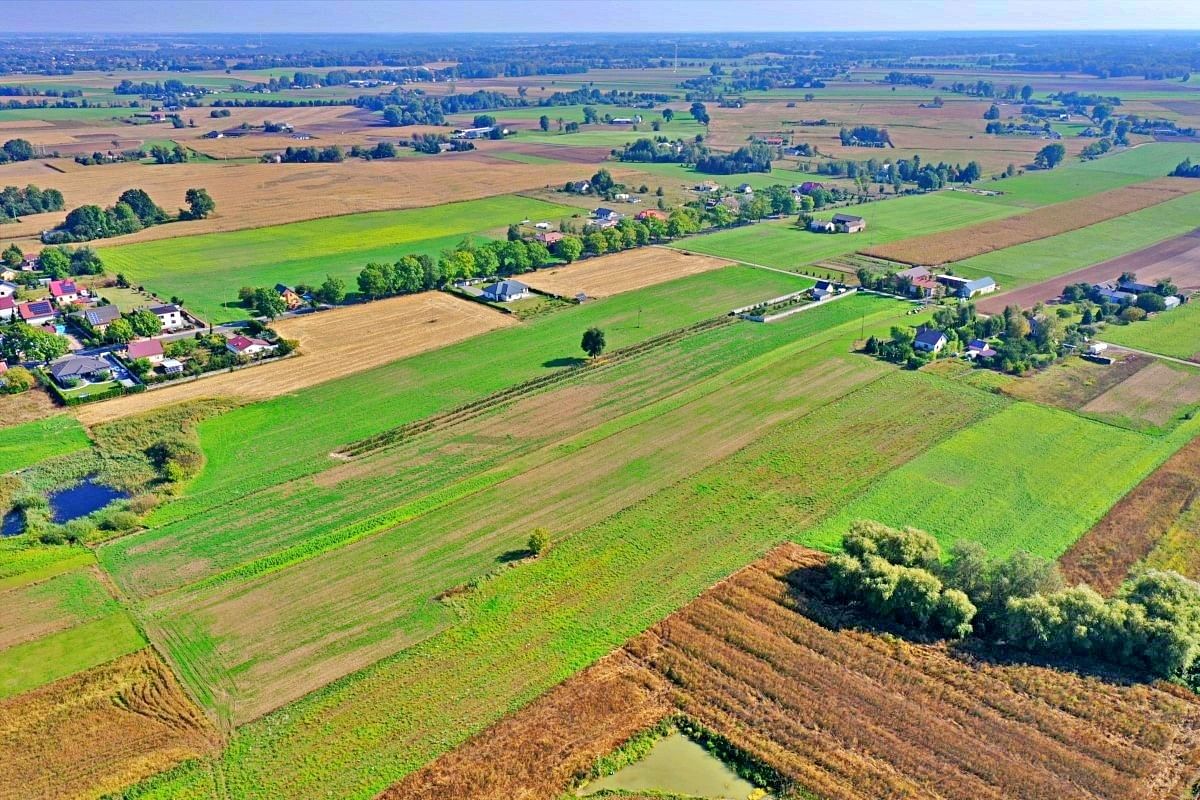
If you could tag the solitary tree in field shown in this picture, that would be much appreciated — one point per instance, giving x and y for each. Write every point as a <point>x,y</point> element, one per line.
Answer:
<point>544,122</point>
<point>1050,156</point>
<point>1026,92</point>
<point>593,342</point>
<point>539,541</point>
<point>200,204</point>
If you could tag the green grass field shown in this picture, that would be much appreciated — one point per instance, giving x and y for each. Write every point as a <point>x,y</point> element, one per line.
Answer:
<point>781,244</point>
<point>27,444</point>
<point>207,270</point>
<point>1056,255</point>
<point>1171,333</point>
<point>36,663</point>
<point>291,436</point>
<point>1015,481</point>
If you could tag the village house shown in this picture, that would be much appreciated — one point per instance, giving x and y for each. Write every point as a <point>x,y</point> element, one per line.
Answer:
<point>8,289</point>
<point>542,226</point>
<point>976,287</point>
<point>1133,287</point>
<point>29,264</point>
<point>978,348</point>
<point>8,308</point>
<point>823,290</point>
<point>579,187</point>
<point>549,237</point>
<point>921,280</point>
<point>149,349</point>
<point>170,315</point>
<point>929,340</point>
<point>848,223</point>
<point>8,274</point>
<point>37,312</point>
<point>64,292</point>
<point>707,186</point>
<point>505,291</point>
<point>101,317</point>
<point>289,296</point>
<point>745,188</point>
<point>606,214</point>
<point>1115,296</point>
<point>821,226</point>
<point>246,346</point>
<point>75,368</point>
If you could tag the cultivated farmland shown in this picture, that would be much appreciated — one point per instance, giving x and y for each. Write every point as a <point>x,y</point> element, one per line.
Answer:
<point>99,731</point>
<point>621,272</point>
<point>837,712</point>
<point>939,248</point>
<point>1174,333</point>
<point>333,344</point>
<point>208,270</point>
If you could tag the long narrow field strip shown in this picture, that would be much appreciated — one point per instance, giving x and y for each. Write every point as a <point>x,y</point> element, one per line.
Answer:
<point>532,626</point>
<point>99,731</point>
<point>34,663</point>
<point>1173,333</point>
<point>1001,482</point>
<point>783,245</point>
<point>207,270</point>
<point>621,272</point>
<point>292,435</point>
<point>40,609</point>
<point>371,597</point>
<point>26,444</point>
<point>836,712</point>
<point>940,248</point>
<point>1156,242</point>
<point>1133,528</point>
<point>333,344</point>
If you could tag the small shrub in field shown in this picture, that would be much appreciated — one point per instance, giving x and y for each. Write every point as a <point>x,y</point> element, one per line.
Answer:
<point>119,521</point>
<point>539,541</point>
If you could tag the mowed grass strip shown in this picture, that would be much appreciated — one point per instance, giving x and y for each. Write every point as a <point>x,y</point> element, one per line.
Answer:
<point>27,444</point>
<point>58,655</point>
<point>1170,333</point>
<point>531,627</point>
<point>207,270</point>
<point>938,248</point>
<point>1030,478</point>
<point>37,610</point>
<point>291,436</point>
<point>783,245</point>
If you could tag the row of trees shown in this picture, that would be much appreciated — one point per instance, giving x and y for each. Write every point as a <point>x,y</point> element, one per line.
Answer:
<point>1186,169</point>
<point>1152,625</point>
<point>311,155</point>
<point>16,202</point>
<point>133,211</point>
<point>16,150</point>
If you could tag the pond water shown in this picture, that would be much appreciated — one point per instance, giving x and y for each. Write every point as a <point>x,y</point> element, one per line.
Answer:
<point>677,765</point>
<point>13,524</point>
<point>81,500</point>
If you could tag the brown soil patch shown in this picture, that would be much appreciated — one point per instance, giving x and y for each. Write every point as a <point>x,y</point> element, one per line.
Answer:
<point>25,407</point>
<point>1132,528</point>
<point>333,344</point>
<point>1154,394</point>
<point>1074,383</point>
<point>621,272</point>
<point>1178,259</point>
<point>255,195</point>
<point>846,714</point>
<point>941,248</point>
<point>99,731</point>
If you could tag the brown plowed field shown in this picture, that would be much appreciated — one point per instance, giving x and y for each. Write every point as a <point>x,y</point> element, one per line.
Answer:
<point>333,344</point>
<point>559,152</point>
<point>844,714</point>
<point>99,731</point>
<point>256,195</point>
<point>1131,529</point>
<point>1178,259</point>
<point>621,272</point>
<point>942,248</point>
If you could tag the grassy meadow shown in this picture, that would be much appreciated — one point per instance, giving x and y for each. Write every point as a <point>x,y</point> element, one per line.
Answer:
<point>27,444</point>
<point>1171,333</point>
<point>207,270</point>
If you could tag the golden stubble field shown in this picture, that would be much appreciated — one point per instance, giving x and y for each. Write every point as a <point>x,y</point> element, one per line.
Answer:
<point>333,344</point>
<point>621,272</point>
<point>257,195</point>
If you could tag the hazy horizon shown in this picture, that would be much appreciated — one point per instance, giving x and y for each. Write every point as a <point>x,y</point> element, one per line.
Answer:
<point>571,17</point>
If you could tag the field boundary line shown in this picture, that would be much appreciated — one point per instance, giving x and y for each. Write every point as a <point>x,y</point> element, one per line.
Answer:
<point>733,261</point>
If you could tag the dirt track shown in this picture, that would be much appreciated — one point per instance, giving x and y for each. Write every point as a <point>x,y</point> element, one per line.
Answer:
<point>1178,259</point>
<point>333,344</point>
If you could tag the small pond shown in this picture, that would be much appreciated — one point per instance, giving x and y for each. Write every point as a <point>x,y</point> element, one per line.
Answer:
<point>82,499</point>
<point>13,524</point>
<point>677,765</point>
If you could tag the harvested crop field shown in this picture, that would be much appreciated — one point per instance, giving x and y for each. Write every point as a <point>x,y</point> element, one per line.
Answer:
<point>1132,528</point>
<point>1075,382</point>
<point>1156,395</point>
<point>843,713</point>
<point>99,731</point>
<point>332,344</point>
<point>558,152</point>
<point>941,248</point>
<point>622,272</point>
<point>257,195</point>
<point>1177,259</point>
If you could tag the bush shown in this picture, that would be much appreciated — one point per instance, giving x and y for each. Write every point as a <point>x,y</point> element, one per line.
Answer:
<point>539,541</point>
<point>1133,314</point>
<point>119,521</point>
<point>17,380</point>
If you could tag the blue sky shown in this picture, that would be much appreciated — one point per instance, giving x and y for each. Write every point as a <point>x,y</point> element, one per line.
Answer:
<point>413,16</point>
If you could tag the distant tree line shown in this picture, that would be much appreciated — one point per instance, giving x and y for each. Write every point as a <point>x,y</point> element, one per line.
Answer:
<point>16,202</point>
<point>133,211</point>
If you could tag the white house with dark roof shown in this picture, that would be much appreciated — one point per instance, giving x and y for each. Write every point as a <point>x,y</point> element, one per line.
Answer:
<point>8,289</point>
<point>929,340</point>
<point>170,315</point>
<point>505,291</point>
